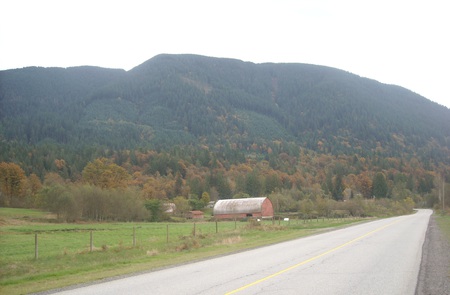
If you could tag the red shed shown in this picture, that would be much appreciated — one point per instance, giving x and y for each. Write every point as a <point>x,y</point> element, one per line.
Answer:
<point>242,208</point>
<point>195,214</point>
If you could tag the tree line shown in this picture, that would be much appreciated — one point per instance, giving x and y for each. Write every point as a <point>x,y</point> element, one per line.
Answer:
<point>138,185</point>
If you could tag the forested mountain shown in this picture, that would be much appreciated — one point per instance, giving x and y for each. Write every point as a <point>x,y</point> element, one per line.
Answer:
<point>230,106</point>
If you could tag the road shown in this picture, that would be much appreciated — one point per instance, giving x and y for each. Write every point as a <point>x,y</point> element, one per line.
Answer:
<point>379,257</point>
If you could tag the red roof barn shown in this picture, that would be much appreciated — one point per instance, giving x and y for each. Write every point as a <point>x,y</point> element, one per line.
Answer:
<point>242,208</point>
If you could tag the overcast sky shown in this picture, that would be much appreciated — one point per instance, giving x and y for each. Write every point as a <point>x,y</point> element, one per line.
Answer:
<point>393,41</point>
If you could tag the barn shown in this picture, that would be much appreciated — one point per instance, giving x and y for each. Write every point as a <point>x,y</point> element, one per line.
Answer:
<point>242,208</point>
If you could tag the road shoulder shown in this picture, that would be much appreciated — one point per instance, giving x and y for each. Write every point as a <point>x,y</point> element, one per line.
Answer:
<point>434,268</point>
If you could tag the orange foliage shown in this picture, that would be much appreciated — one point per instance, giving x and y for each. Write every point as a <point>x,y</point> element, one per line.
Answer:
<point>364,185</point>
<point>158,187</point>
<point>12,183</point>
<point>60,164</point>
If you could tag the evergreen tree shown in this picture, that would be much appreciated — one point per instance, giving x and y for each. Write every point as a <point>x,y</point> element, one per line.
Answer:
<point>380,186</point>
<point>253,185</point>
<point>338,187</point>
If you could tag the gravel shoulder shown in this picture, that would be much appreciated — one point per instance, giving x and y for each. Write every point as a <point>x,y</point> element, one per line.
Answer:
<point>434,277</point>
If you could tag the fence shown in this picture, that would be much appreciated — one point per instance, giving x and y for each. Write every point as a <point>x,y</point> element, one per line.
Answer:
<point>76,239</point>
<point>54,240</point>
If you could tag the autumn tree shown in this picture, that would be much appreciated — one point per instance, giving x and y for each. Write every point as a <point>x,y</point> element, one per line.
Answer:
<point>105,174</point>
<point>364,185</point>
<point>205,198</point>
<point>12,185</point>
<point>158,187</point>
<point>53,178</point>
<point>33,185</point>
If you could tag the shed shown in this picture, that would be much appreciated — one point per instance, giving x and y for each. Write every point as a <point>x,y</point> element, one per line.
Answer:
<point>195,214</point>
<point>242,208</point>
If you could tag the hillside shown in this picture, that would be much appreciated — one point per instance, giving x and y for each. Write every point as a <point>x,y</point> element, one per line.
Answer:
<point>171,100</point>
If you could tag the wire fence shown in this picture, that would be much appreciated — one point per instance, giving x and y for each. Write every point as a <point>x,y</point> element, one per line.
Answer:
<point>51,241</point>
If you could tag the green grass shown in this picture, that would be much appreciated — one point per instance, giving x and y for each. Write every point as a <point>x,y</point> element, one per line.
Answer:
<point>64,256</point>
<point>22,214</point>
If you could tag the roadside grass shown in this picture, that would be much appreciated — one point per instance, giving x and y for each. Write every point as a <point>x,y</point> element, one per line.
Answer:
<point>65,257</point>
<point>443,222</point>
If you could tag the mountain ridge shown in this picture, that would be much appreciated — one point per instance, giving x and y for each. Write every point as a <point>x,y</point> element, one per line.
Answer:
<point>189,99</point>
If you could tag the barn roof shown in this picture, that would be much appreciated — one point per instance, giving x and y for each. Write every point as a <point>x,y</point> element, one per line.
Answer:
<point>233,206</point>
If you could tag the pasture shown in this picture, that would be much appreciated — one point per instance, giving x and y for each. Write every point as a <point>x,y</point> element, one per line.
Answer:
<point>67,254</point>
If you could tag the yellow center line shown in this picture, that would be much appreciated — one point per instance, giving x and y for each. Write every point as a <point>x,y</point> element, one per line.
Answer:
<point>310,259</point>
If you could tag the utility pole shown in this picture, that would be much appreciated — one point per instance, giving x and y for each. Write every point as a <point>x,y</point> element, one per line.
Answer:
<point>443,194</point>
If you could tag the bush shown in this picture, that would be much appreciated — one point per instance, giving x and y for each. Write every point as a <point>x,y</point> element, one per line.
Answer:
<point>72,203</point>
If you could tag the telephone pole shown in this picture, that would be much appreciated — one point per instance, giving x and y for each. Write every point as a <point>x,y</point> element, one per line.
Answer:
<point>443,194</point>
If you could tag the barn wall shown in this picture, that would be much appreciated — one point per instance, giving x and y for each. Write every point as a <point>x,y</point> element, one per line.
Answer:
<point>267,208</point>
<point>231,216</point>
<point>238,216</point>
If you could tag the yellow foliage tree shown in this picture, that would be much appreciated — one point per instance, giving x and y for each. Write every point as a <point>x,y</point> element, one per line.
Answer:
<point>105,174</point>
<point>33,185</point>
<point>12,184</point>
<point>158,187</point>
<point>205,198</point>
<point>53,178</point>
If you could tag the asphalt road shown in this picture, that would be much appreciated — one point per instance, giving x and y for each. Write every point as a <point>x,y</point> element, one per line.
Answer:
<point>379,257</point>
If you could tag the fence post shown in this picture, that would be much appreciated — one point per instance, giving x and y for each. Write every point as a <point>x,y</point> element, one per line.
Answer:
<point>194,229</point>
<point>167,234</point>
<point>36,247</point>
<point>217,229</point>
<point>91,244</point>
<point>134,236</point>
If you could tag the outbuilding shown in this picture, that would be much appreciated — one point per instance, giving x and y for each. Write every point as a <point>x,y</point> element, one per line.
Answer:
<point>195,214</point>
<point>242,208</point>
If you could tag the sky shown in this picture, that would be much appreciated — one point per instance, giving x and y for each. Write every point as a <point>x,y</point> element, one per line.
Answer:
<point>392,41</point>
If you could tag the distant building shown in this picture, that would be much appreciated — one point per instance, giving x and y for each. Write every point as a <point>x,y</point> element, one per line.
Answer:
<point>169,208</point>
<point>195,215</point>
<point>242,208</point>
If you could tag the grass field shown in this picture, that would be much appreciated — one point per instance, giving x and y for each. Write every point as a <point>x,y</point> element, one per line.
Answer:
<point>65,255</point>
